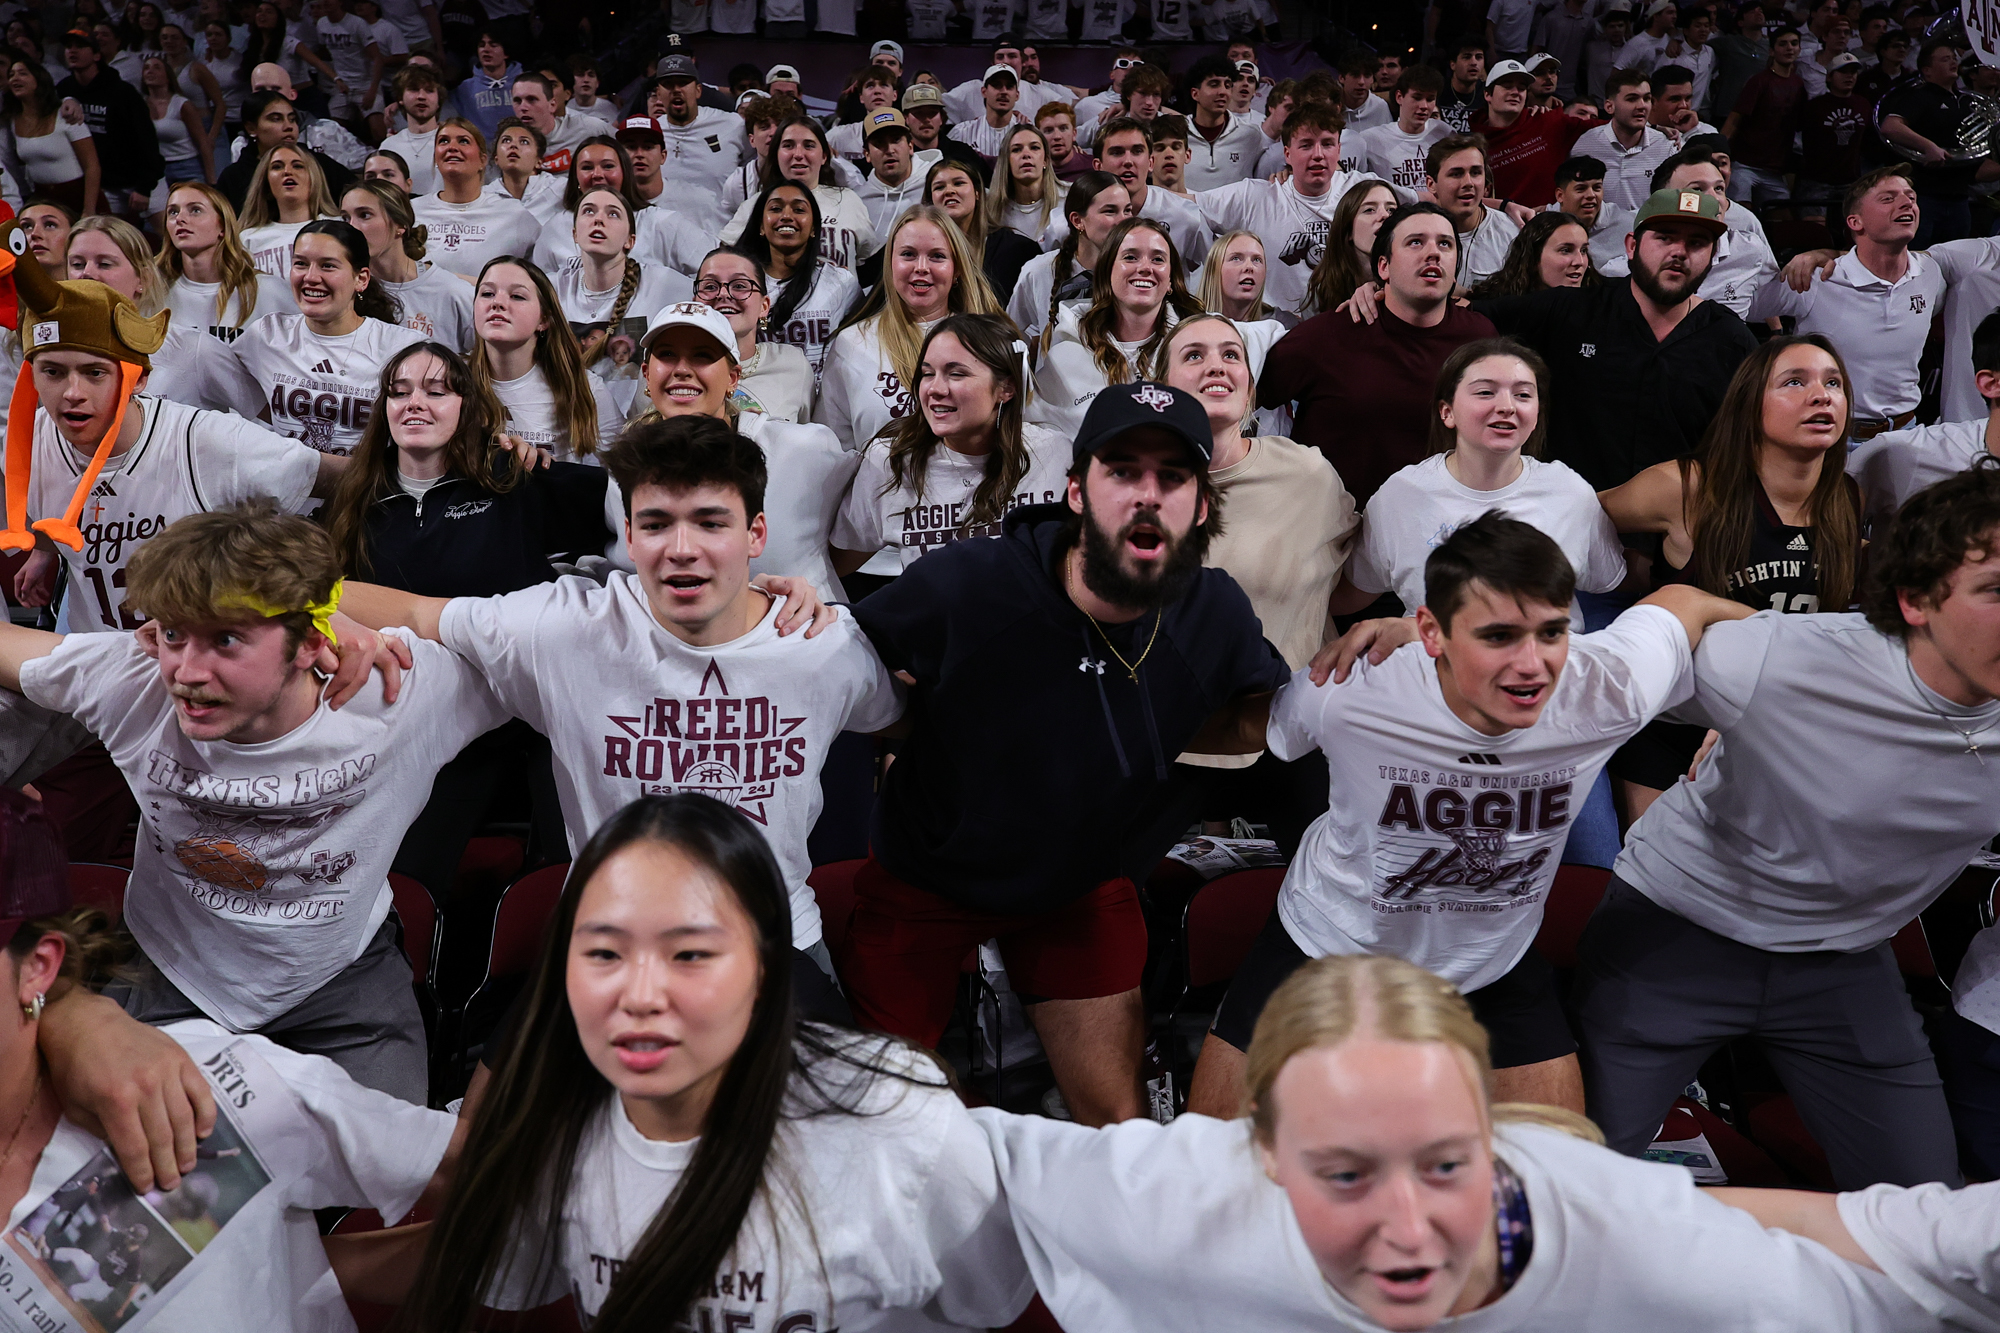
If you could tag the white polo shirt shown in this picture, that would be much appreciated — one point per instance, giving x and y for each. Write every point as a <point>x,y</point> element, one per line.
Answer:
<point>1743,262</point>
<point>1896,464</point>
<point>1607,240</point>
<point>1879,325</point>
<point>1971,272</point>
<point>1628,172</point>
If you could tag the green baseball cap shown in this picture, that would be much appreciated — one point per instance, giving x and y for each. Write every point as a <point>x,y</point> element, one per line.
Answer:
<point>1680,206</point>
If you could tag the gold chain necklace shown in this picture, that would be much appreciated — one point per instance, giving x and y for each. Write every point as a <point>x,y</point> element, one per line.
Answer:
<point>1131,668</point>
<point>34,1099</point>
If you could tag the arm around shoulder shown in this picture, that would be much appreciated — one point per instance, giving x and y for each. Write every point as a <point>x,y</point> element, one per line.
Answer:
<point>1695,609</point>
<point>19,646</point>
<point>377,607</point>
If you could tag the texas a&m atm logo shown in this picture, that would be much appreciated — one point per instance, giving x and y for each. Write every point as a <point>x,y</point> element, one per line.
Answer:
<point>723,745</point>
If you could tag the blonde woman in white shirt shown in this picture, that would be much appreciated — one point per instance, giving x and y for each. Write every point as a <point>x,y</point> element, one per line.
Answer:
<point>660,1116</point>
<point>1487,430</point>
<point>468,226</point>
<point>1024,192</point>
<point>526,351</point>
<point>211,282</point>
<point>929,273</point>
<point>955,466</point>
<point>1375,1185</point>
<point>777,378</point>
<point>1232,280</point>
<point>287,191</point>
<point>434,303</point>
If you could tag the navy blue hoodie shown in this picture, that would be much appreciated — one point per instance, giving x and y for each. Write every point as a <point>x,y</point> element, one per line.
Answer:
<point>1031,772</point>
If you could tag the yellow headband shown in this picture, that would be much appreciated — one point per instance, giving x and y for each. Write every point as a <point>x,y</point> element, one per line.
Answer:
<point>321,612</point>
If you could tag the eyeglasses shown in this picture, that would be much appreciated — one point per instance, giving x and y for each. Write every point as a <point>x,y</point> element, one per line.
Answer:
<point>709,288</point>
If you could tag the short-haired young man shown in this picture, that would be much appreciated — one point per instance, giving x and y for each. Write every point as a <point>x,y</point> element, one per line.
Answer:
<point>486,96</point>
<point>983,132</point>
<point>1927,116</point>
<point>1125,149</point>
<point>1881,297</point>
<point>923,113</point>
<point>269,818</point>
<point>1673,103</point>
<point>1465,81</point>
<point>1292,216</point>
<point>1396,151</point>
<point>1524,144</point>
<point>1057,122</point>
<point>1580,193</point>
<point>967,100</point>
<point>1604,54</point>
<point>1222,149</point>
<point>1360,106</point>
<point>1362,392</point>
<point>120,124</point>
<point>1896,464</point>
<point>1761,124</point>
<point>1455,172</point>
<point>420,93</point>
<point>1142,95</point>
<point>890,185</point>
<point>1171,155</point>
<point>1628,146</point>
<point>1052,694</point>
<point>1853,778</point>
<point>877,91</point>
<point>534,100</point>
<point>1458,762</point>
<point>1098,105</point>
<point>682,675</point>
<point>1836,134</point>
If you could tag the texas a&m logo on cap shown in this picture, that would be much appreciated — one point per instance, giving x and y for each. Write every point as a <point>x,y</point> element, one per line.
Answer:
<point>45,333</point>
<point>1153,396</point>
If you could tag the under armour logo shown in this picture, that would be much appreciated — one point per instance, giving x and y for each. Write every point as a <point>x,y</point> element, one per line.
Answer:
<point>1153,396</point>
<point>1091,664</point>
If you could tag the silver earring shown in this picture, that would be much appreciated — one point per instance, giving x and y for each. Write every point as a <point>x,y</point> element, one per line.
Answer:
<point>33,1011</point>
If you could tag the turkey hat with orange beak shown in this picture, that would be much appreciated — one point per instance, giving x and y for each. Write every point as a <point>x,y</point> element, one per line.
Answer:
<point>85,318</point>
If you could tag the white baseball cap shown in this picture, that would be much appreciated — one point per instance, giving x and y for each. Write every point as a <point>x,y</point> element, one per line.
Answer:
<point>777,72</point>
<point>886,48</point>
<point>992,70</point>
<point>1845,60</point>
<point>1658,7</point>
<point>1506,68</point>
<point>693,315</point>
<point>1534,63</point>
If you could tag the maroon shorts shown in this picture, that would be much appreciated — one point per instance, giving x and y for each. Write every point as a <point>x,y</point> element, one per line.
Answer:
<point>905,949</point>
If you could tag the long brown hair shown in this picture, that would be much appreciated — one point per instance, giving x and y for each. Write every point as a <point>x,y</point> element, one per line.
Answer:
<point>236,275</point>
<point>371,475</point>
<point>260,209</point>
<point>1102,317</point>
<point>1521,272</point>
<point>1342,268</point>
<point>1443,439</point>
<point>557,354</point>
<point>997,344</point>
<point>1720,503</point>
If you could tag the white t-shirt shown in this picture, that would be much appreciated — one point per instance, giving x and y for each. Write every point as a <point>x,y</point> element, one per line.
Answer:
<point>1839,801</point>
<point>904,1226</point>
<point>436,304</point>
<point>702,154</point>
<point>239,1247</point>
<point>777,381</point>
<point>420,151</point>
<point>1149,1228</point>
<point>1482,252</point>
<point>657,287</point>
<point>846,233</point>
<point>928,19</point>
<point>346,41</point>
<point>185,462</point>
<point>1971,272</point>
<point>541,196</point>
<point>270,248</point>
<point>1896,464</point>
<point>464,236</point>
<point>980,137</point>
<point>633,711</point>
<point>50,159</point>
<point>1440,842</point>
<point>860,392</point>
<point>876,514</point>
<point>320,388</point>
<point>1294,228</point>
<point>1028,307</point>
<point>1934,1242</point>
<point>1421,505</point>
<point>261,870</point>
<point>809,469</point>
<point>1396,157</point>
<point>811,324</point>
<point>531,413</point>
<point>193,305</point>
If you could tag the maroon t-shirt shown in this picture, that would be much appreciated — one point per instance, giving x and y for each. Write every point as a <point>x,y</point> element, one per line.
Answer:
<point>1523,157</point>
<point>1364,390</point>
<point>1769,108</point>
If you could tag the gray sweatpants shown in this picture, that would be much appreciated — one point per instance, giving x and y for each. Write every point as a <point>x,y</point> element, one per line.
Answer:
<point>365,1019</point>
<point>1657,995</point>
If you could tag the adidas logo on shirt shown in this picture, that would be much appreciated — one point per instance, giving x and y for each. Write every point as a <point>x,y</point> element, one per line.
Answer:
<point>1492,759</point>
<point>323,368</point>
<point>1799,543</point>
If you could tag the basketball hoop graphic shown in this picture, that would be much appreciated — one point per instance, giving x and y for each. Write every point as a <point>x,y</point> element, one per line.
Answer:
<point>1481,847</point>
<point>711,777</point>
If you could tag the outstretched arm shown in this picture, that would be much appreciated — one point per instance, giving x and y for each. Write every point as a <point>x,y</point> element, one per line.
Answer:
<point>20,646</point>
<point>1695,609</point>
<point>1236,728</point>
<point>1801,1212</point>
<point>378,607</point>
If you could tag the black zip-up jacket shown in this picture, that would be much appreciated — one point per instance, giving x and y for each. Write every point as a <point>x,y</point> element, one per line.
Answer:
<point>462,540</point>
<point>128,150</point>
<point>1037,763</point>
<point>1620,399</point>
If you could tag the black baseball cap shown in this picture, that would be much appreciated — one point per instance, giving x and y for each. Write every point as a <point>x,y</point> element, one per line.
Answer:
<point>1121,408</point>
<point>677,67</point>
<point>34,869</point>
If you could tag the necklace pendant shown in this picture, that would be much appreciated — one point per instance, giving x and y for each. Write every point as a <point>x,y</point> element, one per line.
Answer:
<point>1135,675</point>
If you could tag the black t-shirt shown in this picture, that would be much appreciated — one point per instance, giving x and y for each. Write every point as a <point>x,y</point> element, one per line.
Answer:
<point>1457,109</point>
<point>1837,134</point>
<point>1939,114</point>
<point>1038,767</point>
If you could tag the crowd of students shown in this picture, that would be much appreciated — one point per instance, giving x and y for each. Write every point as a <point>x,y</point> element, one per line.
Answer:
<point>1336,455</point>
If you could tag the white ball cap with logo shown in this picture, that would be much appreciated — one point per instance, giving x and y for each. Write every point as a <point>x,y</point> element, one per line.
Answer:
<point>692,315</point>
